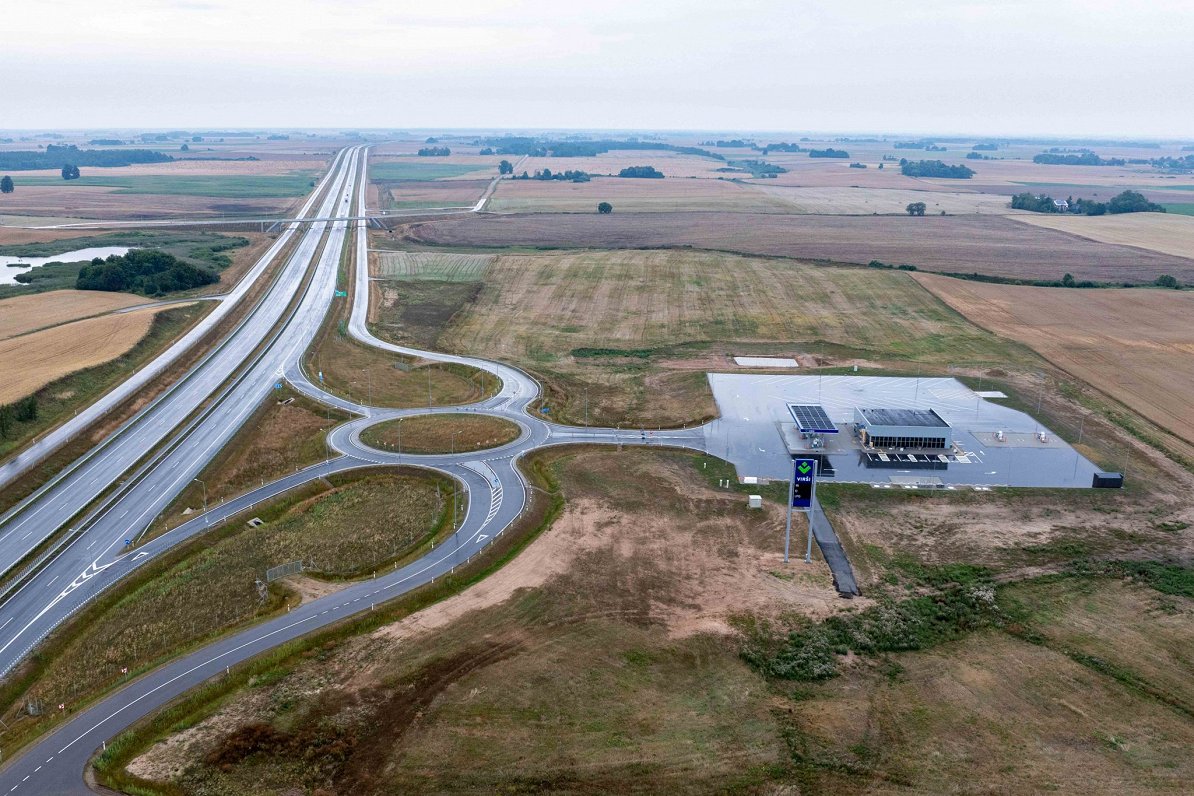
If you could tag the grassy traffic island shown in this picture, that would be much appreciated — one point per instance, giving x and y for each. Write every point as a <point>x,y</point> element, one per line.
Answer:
<point>441,433</point>
<point>348,526</point>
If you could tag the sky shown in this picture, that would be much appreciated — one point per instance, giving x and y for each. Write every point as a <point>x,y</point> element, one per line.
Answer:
<point>1012,67</point>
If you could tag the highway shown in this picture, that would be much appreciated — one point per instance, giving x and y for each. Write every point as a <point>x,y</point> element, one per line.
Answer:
<point>496,495</point>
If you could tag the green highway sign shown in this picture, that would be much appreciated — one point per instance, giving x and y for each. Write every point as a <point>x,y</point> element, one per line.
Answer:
<point>341,293</point>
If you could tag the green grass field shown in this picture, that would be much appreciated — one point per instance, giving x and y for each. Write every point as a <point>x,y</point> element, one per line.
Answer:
<point>225,187</point>
<point>395,171</point>
<point>207,587</point>
<point>1182,208</point>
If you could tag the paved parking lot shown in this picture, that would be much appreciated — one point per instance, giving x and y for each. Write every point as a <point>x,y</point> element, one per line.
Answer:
<point>755,420</point>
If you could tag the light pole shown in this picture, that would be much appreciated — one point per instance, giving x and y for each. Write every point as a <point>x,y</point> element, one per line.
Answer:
<point>204,499</point>
<point>454,435</point>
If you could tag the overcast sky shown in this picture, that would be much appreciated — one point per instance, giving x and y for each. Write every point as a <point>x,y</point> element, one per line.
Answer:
<point>1066,67</point>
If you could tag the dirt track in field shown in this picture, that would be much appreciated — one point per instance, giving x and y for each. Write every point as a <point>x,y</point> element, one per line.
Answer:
<point>1135,345</point>
<point>988,245</point>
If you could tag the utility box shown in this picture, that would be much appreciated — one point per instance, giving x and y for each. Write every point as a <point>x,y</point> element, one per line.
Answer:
<point>1108,481</point>
<point>754,501</point>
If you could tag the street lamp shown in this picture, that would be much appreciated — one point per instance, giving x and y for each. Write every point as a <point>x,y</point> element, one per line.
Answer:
<point>204,485</point>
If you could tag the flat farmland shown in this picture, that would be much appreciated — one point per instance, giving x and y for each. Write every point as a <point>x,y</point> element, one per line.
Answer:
<point>437,266</point>
<point>672,164</point>
<point>34,360</point>
<point>1135,345</point>
<point>869,201</point>
<point>1159,232</point>
<point>66,200</point>
<point>423,168</point>
<point>24,314</point>
<point>631,196</point>
<point>401,195</point>
<point>627,336</point>
<point>963,244</point>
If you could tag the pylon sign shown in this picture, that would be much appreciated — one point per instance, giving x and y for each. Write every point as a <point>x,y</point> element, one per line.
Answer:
<point>804,477</point>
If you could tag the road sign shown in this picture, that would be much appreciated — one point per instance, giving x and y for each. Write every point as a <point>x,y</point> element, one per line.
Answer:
<point>341,293</point>
<point>128,542</point>
<point>804,478</point>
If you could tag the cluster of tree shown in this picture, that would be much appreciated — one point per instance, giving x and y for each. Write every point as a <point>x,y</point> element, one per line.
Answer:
<point>734,143</point>
<point>1085,159</point>
<point>1080,149</point>
<point>910,145</point>
<point>859,165</point>
<point>22,411</point>
<point>916,208</point>
<point>641,172</point>
<point>889,266</point>
<point>759,168</point>
<point>6,185</point>
<point>54,156</point>
<point>277,137</point>
<point>1182,164</point>
<point>562,176</point>
<point>535,147</point>
<point>486,151</point>
<point>782,146</point>
<point>150,272</point>
<point>986,147</point>
<point>828,153</point>
<point>505,167</point>
<point>70,172</point>
<point>1125,202</point>
<point>605,208</point>
<point>105,142</point>
<point>1165,280</point>
<point>978,156</point>
<point>434,152</point>
<point>935,168</point>
<point>431,140</point>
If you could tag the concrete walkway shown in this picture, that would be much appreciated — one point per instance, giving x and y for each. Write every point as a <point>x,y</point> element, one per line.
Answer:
<point>834,553</point>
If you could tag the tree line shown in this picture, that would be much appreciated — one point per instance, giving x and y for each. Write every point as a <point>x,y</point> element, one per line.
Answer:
<point>434,152</point>
<point>830,152</point>
<point>55,155</point>
<point>560,176</point>
<point>934,168</point>
<point>21,411</point>
<point>1125,202</point>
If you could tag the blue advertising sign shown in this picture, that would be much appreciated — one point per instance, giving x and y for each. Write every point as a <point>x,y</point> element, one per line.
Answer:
<point>804,475</point>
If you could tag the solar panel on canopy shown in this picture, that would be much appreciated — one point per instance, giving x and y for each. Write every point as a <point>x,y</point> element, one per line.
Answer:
<point>812,419</point>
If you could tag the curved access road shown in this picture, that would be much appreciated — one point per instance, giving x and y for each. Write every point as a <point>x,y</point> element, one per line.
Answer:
<point>496,495</point>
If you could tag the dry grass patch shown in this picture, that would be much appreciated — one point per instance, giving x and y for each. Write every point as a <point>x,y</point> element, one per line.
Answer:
<point>34,360</point>
<point>438,266</point>
<point>586,665</point>
<point>884,201</point>
<point>441,433</point>
<point>1135,345</point>
<point>1160,232</point>
<point>23,314</point>
<point>637,330</point>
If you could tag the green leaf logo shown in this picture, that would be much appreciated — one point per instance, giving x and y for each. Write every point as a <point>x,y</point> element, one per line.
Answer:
<point>804,467</point>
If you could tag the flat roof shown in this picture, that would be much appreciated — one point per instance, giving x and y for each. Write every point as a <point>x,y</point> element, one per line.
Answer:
<point>903,417</point>
<point>812,418</point>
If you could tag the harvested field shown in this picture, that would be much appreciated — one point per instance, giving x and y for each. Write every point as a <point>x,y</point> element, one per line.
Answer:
<point>631,196</point>
<point>23,314</point>
<point>869,201</point>
<point>1135,345</point>
<point>13,236</point>
<point>1159,232</point>
<point>110,203</point>
<point>626,336</point>
<point>987,245</point>
<point>447,193</point>
<point>672,164</point>
<point>441,433</point>
<point>34,360</point>
<point>437,266</point>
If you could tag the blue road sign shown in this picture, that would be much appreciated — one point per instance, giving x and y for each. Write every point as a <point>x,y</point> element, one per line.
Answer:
<point>545,410</point>
<point>128,542</point>
<point>804,475</point>
<point>277,385</point>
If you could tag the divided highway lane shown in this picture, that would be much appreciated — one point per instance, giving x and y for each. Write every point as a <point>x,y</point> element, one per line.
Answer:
<point>34,609</point>
<point>39,450</point>
<point>51,507</point>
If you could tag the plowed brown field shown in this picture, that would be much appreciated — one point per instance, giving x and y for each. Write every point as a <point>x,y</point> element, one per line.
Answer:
<point>1135,345</point>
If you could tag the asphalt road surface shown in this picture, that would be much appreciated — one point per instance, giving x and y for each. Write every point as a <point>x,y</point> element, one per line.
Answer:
<point>98,558</point>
